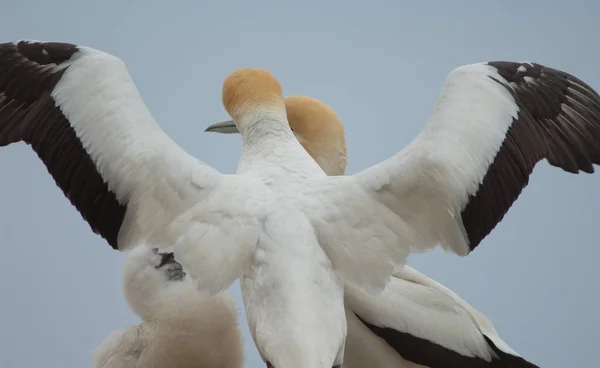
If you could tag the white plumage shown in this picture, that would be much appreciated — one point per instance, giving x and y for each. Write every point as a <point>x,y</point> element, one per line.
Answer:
<point>423,322</point>
<point>414,321</point>
<point>179,329</point>
<point>281,222</point>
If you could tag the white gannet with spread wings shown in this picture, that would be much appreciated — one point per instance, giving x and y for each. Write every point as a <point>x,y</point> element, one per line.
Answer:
<point>414,321</point>
<point>295,234</point>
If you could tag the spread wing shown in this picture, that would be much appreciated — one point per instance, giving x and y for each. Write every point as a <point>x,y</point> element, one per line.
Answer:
<point>456,180</point>
<point>81,113</point>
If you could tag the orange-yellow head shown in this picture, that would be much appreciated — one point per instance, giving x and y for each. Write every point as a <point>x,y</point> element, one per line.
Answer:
<point>248,92</point>
<point>319,130</point>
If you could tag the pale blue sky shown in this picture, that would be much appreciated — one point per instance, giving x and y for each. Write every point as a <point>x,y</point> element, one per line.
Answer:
<point>381,66</point>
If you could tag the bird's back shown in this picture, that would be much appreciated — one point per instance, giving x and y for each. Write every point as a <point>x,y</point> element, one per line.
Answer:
<point>293,297</point>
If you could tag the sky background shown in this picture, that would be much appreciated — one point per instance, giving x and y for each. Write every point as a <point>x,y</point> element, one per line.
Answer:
<point>381,66</point>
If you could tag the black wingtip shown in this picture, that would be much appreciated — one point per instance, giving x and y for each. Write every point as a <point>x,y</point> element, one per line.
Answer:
<point>44,53</point>
<point>28,113</point>
<point>509,360</point>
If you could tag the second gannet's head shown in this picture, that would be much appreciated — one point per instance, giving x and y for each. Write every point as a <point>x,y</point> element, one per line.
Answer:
<point>149,278</point>
<point>251,96</point>
<point>317,128</point>
<point>319,131</point>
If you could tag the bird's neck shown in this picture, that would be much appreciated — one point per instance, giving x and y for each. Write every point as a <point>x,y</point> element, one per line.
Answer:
<point>330,157</point>
<point>264,125</point>
<point>269,144</point>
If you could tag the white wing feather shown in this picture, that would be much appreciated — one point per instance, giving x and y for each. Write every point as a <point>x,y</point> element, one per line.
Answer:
<point>139,162</point>
<point>412,201</point>
<point>171,197</point>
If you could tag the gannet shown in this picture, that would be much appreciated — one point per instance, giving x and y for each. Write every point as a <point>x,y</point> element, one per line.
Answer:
<point>179,328</point>
<point>296,235</point>
<point>415,321</point>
